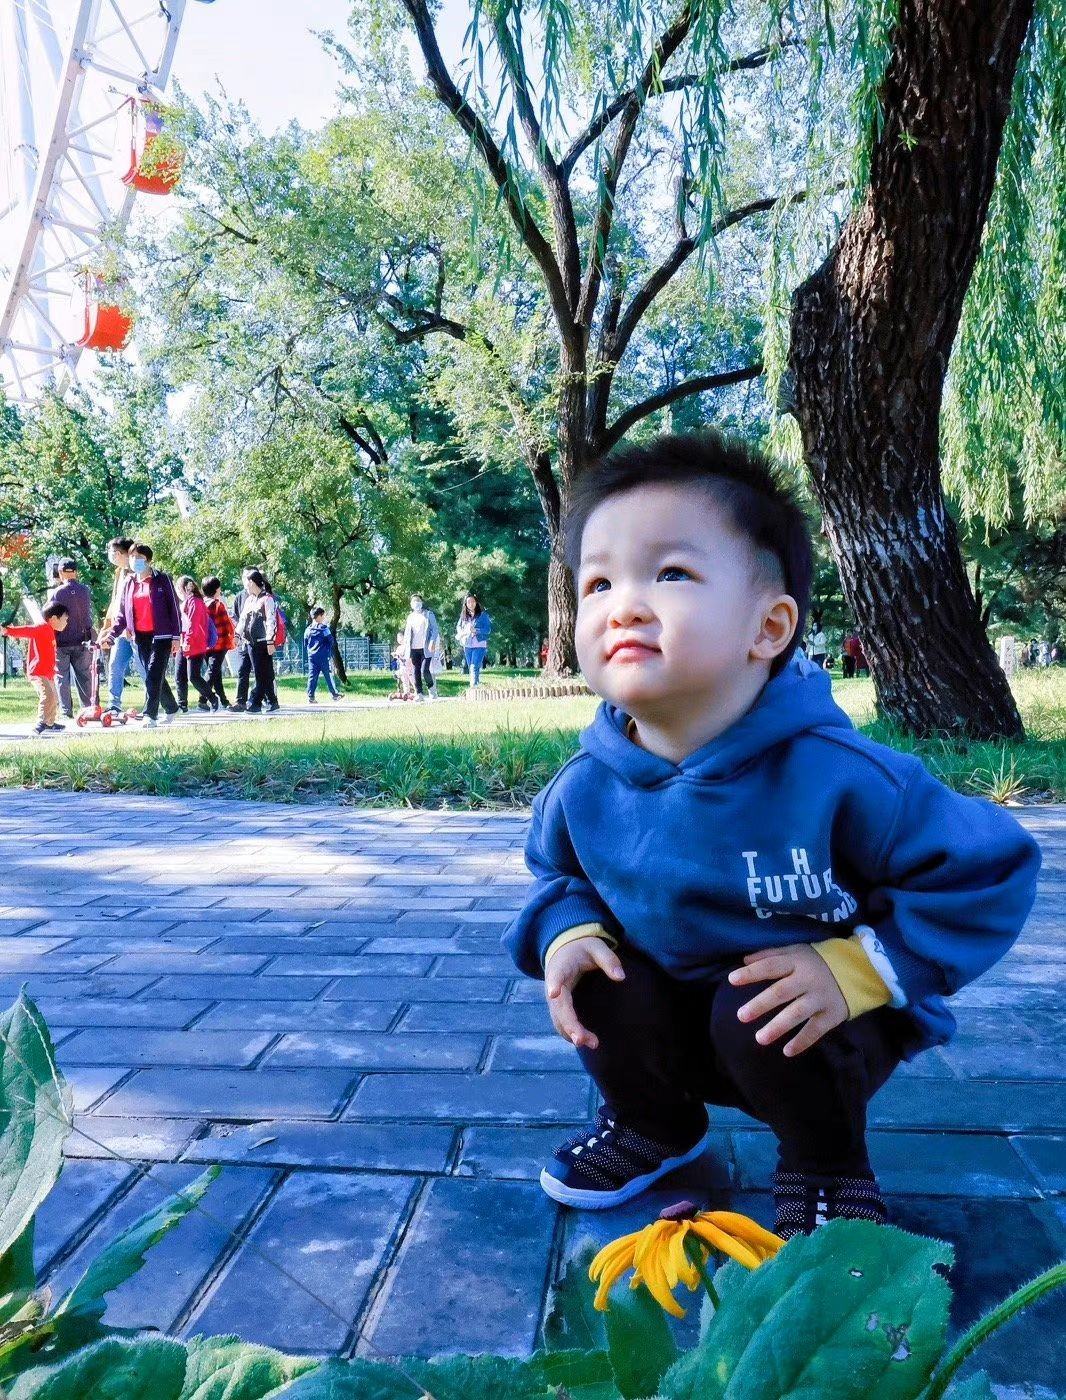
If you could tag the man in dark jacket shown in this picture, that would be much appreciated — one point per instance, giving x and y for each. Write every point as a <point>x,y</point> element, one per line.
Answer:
<point>73,652</point>
<point>244,667</point>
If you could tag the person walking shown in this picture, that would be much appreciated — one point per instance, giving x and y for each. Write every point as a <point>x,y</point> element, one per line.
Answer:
<point>244,653</point>
<point>422,641</point>
<point>73,652</point>
<point>849,650</point>
<point>817,647</point>
<point>318,641</point>
<point>472,633</point>
<point>151,618</point>
<point>113,640</point>
<point>216,655</point>
<point>258,629</point>
<point>197,634</point>
<point>40,638</point>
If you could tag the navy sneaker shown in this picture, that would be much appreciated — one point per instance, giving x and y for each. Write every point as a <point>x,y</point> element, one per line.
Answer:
<point>608,1163</point>
<point>804,1202</point>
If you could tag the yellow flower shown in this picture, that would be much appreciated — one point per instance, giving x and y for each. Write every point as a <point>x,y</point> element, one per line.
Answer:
<point>659,1259</point>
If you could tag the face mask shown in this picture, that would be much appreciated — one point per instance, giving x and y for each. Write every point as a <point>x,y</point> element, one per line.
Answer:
<point>139,566</point>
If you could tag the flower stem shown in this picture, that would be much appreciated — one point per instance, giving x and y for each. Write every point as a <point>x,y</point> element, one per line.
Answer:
<point>982,1329</point>
<point>695,1253</point>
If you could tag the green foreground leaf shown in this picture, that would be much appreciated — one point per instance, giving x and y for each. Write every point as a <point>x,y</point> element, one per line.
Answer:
<point>225,1368</point>
<point>111,1370</point>
<point>855,1310</point>
<point>640,1344</point>
<point>572,1322</point>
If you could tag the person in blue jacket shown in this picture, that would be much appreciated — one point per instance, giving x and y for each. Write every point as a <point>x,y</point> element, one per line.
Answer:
<point>318,640</point>
<point>738,899</point>
<point>472,633</point>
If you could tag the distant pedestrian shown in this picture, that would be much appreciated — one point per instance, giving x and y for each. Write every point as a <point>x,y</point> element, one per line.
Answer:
<point>197,634</point>
<point>152,620</point>
<point>244,653</point>
<point>258,629</point>
<point>817,647</point>
<point>73,653</point>
<point>113,639</point>
<point>849,651</point>
<point>216,656</point>
<point>422,641</point>
<point>543,653</point>
<point>40,638</point>
<point>472,633</point>
<point>318,642</point>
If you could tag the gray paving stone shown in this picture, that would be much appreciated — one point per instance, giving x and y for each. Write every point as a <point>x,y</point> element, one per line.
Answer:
<point>158,1015</point>
<point>490,1241</point>
<point>238,988</point>
<point>1028,1060</point>
<point>470,1097</point>
<point>419,1148</point>
<point>359,965</point>
<point>546,1052</point>
<point>217,1093</point>
<point>156,1140</point>
<point>1046,1157</point>
<point>40,986</point>
<point>434,946</point>
<point>371,1052</point>
<point>450,989</point>
<point>301,1016</point>
<point>974,1104</point>
<point>225,928</point>
<point>88,1085</point>
<point>511,1019</point>
<point>134,942</point>
<point>201,964</point>
<point>13,960</point>
<point>162,1047</point>
<point>307,1266</point>
<point>82,1191</point>
<point>29,944</point>
<point>476,965</point>
<point>174,1269</point>
<point>92,925</point>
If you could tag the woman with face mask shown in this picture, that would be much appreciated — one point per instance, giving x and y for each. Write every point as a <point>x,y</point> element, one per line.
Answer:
<point>421,642</point>
<point>258,629</point>
<point>151,620</point>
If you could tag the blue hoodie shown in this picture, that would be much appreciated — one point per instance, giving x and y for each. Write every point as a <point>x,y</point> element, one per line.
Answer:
<point>787,817</point>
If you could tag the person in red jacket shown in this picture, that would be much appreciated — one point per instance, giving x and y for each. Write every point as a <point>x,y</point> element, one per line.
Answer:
<point>216,656</point>
<point>41,662</point>
<point>195,642</point>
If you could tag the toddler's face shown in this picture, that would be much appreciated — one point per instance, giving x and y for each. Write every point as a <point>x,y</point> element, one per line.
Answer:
<point>669,603</point>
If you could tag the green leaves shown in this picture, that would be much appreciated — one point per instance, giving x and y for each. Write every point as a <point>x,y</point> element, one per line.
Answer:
<point>125,1255</point>
<point>855,1310</point>
<point>225,1368</point>
<point>572,1321</point>
<point>35,1118</point>
<point>111,1370</point>
<point>640,1344</point>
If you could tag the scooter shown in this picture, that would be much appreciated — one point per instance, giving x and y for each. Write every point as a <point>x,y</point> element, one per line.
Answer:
<point>94,713</point>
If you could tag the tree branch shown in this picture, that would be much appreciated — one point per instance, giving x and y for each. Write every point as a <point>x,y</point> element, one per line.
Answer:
<point>664,49</point>
<point>522,217</point>
<point>597,127</point>
<point>699,385</point>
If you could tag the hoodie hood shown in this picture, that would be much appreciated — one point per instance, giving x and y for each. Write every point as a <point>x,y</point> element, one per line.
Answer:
<point>799,699</point>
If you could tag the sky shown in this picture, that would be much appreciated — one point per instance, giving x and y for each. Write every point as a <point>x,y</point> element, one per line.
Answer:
<point>265,53</point>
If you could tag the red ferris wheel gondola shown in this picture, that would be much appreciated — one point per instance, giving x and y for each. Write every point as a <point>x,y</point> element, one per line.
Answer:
<point>99,322</point>
<point>147,157</point>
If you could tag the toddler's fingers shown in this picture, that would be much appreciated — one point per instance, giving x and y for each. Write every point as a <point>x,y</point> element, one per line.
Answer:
<point>818,1025</point>
<point>565,1021</point>
<point>763,970</point>
<point>787,1020</point>
<point>777,994</point>
<point>608,962</point>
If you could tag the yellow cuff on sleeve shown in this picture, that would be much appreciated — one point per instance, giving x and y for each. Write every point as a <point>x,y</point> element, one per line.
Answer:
<point>573,934</point>
<point>856,976</point>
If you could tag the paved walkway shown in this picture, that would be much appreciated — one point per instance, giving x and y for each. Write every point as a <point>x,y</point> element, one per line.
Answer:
<point>317,995</point>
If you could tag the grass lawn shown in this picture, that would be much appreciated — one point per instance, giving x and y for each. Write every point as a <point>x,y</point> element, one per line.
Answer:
<point>491,754</point>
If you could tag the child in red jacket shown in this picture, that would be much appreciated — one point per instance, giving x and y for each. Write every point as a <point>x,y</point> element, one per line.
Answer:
<point>41,662</point>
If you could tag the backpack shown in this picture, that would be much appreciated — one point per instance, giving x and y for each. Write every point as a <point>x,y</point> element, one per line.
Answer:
<point>212,633</point>
<point>281,635</point>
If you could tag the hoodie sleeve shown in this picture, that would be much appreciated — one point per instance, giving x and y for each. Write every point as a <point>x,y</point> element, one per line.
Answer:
<point>562,896</point>
<point>956,883</point>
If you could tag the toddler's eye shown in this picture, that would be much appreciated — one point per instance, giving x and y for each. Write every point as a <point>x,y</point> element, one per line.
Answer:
<point>593,585</point>
<point>673,569</point>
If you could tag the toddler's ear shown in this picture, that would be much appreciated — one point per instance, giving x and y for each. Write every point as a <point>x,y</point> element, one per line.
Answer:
<point>776,628</point>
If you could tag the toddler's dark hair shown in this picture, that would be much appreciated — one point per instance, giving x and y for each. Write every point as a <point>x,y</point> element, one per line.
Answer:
<point>759,506</point>
<point>211,586</point>
<point>55,610</point>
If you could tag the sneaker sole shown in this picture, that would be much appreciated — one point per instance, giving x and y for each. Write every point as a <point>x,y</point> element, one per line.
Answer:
<point>604,1200</point>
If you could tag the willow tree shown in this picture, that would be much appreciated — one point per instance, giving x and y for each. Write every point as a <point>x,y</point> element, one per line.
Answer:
<point>878,131</point>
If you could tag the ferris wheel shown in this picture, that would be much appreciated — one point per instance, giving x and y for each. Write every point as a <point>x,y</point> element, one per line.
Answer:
<point>80,89</point>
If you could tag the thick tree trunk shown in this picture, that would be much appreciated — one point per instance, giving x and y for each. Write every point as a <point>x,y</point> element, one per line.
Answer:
<point>334,623</point>
<point>872,331</point>
<point>562,615</point>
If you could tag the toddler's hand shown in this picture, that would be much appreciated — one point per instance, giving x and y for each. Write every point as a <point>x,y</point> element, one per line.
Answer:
<point>565,969</point>
<point>802,984</point>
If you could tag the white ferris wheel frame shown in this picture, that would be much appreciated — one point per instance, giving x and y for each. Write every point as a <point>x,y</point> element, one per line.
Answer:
<point>113,50</point>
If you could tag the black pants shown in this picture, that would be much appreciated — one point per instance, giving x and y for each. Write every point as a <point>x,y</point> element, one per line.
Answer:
<point>215,662</point>
<point>190,669</point>
<point>848,665</point>
<point>244,676</point>
<point>667,1048</point>
<point>155,657</point>
<point>264,691</point>
<point>421,663</point>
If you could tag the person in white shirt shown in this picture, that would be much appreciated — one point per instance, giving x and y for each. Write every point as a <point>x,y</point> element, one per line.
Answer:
<point>422,642</point>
